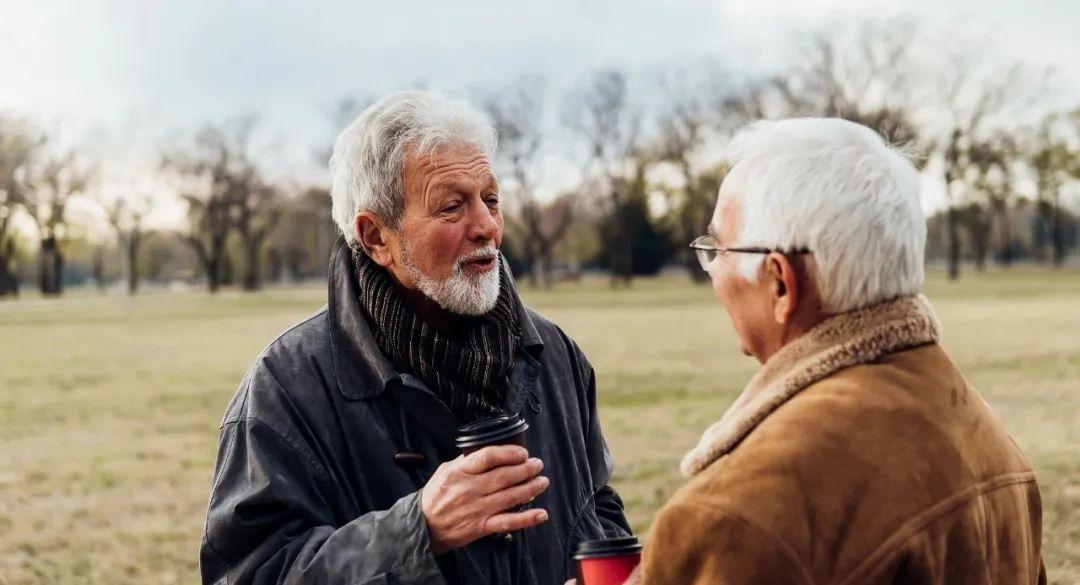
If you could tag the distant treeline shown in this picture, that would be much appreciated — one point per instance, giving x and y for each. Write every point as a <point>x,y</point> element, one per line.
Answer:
<point>643,148</point>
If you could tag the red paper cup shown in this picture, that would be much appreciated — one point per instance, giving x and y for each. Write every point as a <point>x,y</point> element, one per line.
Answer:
<point>607,562</point>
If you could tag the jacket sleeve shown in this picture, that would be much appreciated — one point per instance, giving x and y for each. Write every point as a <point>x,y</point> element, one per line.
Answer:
<point>609,506</point>
<point>698,545</point>
<point>268,521</point>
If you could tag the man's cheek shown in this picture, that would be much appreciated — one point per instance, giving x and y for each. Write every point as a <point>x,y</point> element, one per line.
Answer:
<point>447,247</point>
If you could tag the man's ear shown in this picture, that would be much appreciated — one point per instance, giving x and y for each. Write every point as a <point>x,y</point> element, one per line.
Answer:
<point>784,285</point>
<point>374,237</point>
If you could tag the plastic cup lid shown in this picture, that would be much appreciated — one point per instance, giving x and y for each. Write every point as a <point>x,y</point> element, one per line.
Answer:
<point>490,431</point>
<point>609,547</point>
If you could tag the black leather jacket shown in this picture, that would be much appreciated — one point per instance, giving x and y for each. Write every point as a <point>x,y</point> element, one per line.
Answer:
<point>307,489</point>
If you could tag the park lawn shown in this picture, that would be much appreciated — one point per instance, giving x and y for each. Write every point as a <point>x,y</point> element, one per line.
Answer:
<point>109,406</point>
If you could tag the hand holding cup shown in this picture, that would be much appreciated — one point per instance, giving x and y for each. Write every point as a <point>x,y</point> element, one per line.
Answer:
<point>473,495</point>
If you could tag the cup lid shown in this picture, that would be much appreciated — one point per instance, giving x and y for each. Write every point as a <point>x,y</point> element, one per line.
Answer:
<point>608,547</point>
<point>490,431</point>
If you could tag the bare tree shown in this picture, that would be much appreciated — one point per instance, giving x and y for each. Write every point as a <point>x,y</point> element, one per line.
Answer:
<point>258,210</point>
<point>53,185</point>
<point>971,97</point>
<point>517,114</point>
<point>683,127</point>
<point>993,165</point>
<point>1051,160</point>
<point>19,147</point>
<point>865,74</point>
<point>212,179</point>
<point>602,116</point>
<point>126,219</point>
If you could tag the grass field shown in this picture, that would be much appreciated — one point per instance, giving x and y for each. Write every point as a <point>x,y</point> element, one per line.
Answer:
<point>109,407</point>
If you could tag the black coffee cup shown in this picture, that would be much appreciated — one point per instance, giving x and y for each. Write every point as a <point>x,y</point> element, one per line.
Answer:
<point>507,429</point>
<point>500,430</point>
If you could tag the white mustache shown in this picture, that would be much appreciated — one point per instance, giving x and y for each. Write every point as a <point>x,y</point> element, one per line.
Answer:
<point>489,253</point>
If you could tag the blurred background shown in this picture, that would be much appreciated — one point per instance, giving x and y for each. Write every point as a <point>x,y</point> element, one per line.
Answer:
<point>164,213</point>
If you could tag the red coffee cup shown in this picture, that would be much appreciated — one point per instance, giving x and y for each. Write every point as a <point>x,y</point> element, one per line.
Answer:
<point>607,562</point>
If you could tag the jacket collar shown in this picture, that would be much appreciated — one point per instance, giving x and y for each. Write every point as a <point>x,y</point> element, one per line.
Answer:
<point>361,368</point>
<point>845,340</point>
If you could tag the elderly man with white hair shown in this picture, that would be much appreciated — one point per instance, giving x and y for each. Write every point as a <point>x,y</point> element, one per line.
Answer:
<point>338,461</point>
<point>858,453</point>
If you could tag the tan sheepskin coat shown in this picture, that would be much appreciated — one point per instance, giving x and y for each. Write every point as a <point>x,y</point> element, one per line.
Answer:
<point>858,454</point>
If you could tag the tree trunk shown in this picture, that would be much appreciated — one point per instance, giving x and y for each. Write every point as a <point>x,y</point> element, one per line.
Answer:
<point>980,242</point>
<point>9,283</point>
<point>52,267</point>
<point>215,266</point>
<point>546,262</point>
<point>954,243</point>
<point>213,276</point>
<point>1056,239</point>
<point>1006,236</point>
<point>58,270</point>
<point>99,268</point>
<point>132,260</point>
<point>252,280</point>
<point>538,275</point>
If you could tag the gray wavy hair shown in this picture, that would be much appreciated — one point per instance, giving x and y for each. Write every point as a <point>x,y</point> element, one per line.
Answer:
<point>369,155</point>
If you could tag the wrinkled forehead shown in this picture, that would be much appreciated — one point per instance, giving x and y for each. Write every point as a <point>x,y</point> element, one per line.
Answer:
<point>456,159</point>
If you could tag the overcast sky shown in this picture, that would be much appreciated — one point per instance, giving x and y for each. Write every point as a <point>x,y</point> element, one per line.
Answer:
<point>140,70</point>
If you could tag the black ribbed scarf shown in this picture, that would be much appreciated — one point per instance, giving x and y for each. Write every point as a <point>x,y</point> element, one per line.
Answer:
<point>468,369</point>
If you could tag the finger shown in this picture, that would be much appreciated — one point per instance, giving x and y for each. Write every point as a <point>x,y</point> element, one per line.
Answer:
<point>513,496</point>
<point>571,582</point>
<point>495,456</point>
<point>503,477</point>
<point>509,522</point>
<point>635,577</point>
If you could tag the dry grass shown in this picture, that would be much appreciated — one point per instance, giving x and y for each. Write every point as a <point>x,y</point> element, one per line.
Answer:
<point>109,407</point>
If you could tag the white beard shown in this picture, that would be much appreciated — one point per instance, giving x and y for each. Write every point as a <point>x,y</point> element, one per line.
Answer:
<point>461,293</point>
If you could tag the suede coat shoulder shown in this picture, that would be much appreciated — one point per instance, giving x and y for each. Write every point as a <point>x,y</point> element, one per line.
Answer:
<point>858,454</point>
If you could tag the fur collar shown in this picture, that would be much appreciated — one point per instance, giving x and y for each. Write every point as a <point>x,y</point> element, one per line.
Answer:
<point>845,340</point>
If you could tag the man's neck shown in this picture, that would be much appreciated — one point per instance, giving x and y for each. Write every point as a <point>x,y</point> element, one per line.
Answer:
<point>800,325</point>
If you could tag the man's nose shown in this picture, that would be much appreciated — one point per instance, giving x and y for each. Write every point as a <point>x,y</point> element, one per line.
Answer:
<point>482,223</point>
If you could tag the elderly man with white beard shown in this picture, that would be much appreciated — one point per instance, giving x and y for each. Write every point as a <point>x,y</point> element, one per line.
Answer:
<point>337,460</point>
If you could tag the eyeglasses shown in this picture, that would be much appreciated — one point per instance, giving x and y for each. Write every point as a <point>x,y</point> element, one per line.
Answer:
<point>707,250</point>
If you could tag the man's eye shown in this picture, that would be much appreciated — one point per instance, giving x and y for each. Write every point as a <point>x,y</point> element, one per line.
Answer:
<point>493,201</point>
<point>451,208</point>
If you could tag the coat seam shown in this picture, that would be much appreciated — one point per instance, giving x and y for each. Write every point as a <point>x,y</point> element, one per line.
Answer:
<point>893,542</point>
<point>760,528</point>
<point>210,504</point>
<point>288,440</point>
<point>584,497</point>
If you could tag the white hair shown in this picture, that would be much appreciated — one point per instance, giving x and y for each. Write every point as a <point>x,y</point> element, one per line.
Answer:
<point>369,155</point>
<point>836,188</point>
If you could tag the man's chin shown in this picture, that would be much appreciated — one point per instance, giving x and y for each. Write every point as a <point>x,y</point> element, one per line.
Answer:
<point>468,298</point>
